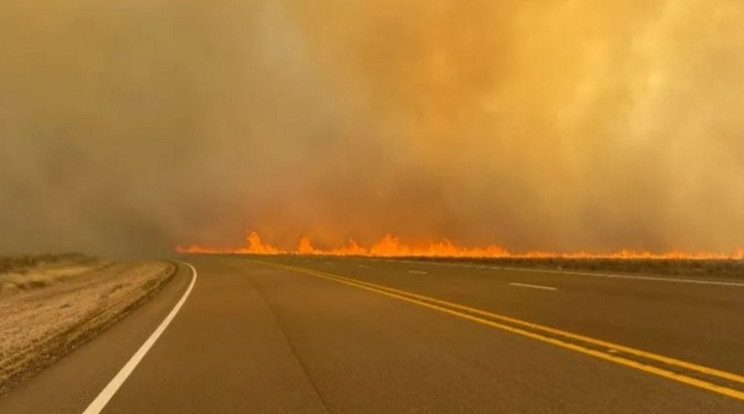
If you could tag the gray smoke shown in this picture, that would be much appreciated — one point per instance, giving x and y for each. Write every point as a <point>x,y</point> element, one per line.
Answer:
<point>127,127</point>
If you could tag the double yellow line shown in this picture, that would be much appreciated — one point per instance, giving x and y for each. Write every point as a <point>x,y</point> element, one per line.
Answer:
<point>567,340</point>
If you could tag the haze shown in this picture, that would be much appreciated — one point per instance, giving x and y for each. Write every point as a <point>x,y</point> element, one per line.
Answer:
<point>128,127</point>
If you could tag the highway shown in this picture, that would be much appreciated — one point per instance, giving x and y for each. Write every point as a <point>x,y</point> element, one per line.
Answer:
<point>296,334</point>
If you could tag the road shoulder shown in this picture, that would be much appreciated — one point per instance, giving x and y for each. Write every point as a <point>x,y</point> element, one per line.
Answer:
<point>94,364</point>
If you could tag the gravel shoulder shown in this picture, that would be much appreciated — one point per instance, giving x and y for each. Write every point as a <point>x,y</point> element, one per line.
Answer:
<point>49,307</point>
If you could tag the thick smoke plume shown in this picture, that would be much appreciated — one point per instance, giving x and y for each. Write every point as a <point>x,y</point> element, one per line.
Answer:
<point>128,127</point>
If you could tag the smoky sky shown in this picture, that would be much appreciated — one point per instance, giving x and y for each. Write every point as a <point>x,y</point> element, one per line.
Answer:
<point>128,127</point>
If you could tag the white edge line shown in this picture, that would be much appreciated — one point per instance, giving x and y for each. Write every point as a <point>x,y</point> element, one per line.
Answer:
<point>105,396</point>
<point>525,285</point>
<point>418,272</point>
<point>605,275</point>
<point>614,276</point>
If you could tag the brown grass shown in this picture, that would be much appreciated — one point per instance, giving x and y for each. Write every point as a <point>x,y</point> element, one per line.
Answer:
<point>31,272</point>
<point>50,306</point>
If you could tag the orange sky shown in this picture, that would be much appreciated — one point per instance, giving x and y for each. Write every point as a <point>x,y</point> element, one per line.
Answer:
<point>534,125</point>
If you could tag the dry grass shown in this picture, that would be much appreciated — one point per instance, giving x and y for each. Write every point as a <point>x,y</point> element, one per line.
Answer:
<point>50,306</point>
<point>30,272</point>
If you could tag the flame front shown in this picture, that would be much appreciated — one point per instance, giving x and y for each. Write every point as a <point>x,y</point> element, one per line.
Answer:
<point>391,246</point>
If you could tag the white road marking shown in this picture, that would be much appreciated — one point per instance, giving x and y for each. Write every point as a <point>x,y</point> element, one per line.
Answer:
<point>418,272</point>
<point>590,274</point>
<point>105,396</point>
<point>612,276</point>
<point>525,285</point>
<point>363,266</point>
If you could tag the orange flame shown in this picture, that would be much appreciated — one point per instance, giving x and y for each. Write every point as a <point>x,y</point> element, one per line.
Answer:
<point>391,246</point>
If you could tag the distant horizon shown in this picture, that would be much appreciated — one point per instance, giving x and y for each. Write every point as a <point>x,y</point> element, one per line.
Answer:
<point>391,246</point>
<point>129,128</point>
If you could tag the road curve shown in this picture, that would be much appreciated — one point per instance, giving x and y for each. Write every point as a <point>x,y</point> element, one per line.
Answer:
<point>328,335</point>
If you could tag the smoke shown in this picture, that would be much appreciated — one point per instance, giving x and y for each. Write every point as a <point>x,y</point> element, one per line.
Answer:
<point>127,127</point>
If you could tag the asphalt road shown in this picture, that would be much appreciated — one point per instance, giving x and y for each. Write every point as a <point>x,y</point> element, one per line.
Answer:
<point>328,335</point>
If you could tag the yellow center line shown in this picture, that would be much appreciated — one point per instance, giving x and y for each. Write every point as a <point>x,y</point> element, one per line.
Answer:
<point>458,310</point>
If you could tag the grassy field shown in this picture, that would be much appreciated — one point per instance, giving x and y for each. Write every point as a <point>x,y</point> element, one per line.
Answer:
<point>30,272</point>
<point>52,304</point>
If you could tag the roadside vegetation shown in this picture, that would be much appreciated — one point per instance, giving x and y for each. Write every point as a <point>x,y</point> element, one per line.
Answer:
<point>52,304</point>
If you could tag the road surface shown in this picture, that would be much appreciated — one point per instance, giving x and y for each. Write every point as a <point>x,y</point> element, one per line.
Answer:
<point>334,335</point>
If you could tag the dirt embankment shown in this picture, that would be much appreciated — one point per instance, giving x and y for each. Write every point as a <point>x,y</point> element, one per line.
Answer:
<point>52,304</point>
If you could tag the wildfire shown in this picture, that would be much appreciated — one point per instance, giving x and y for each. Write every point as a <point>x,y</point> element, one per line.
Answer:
<point>391,246</point>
